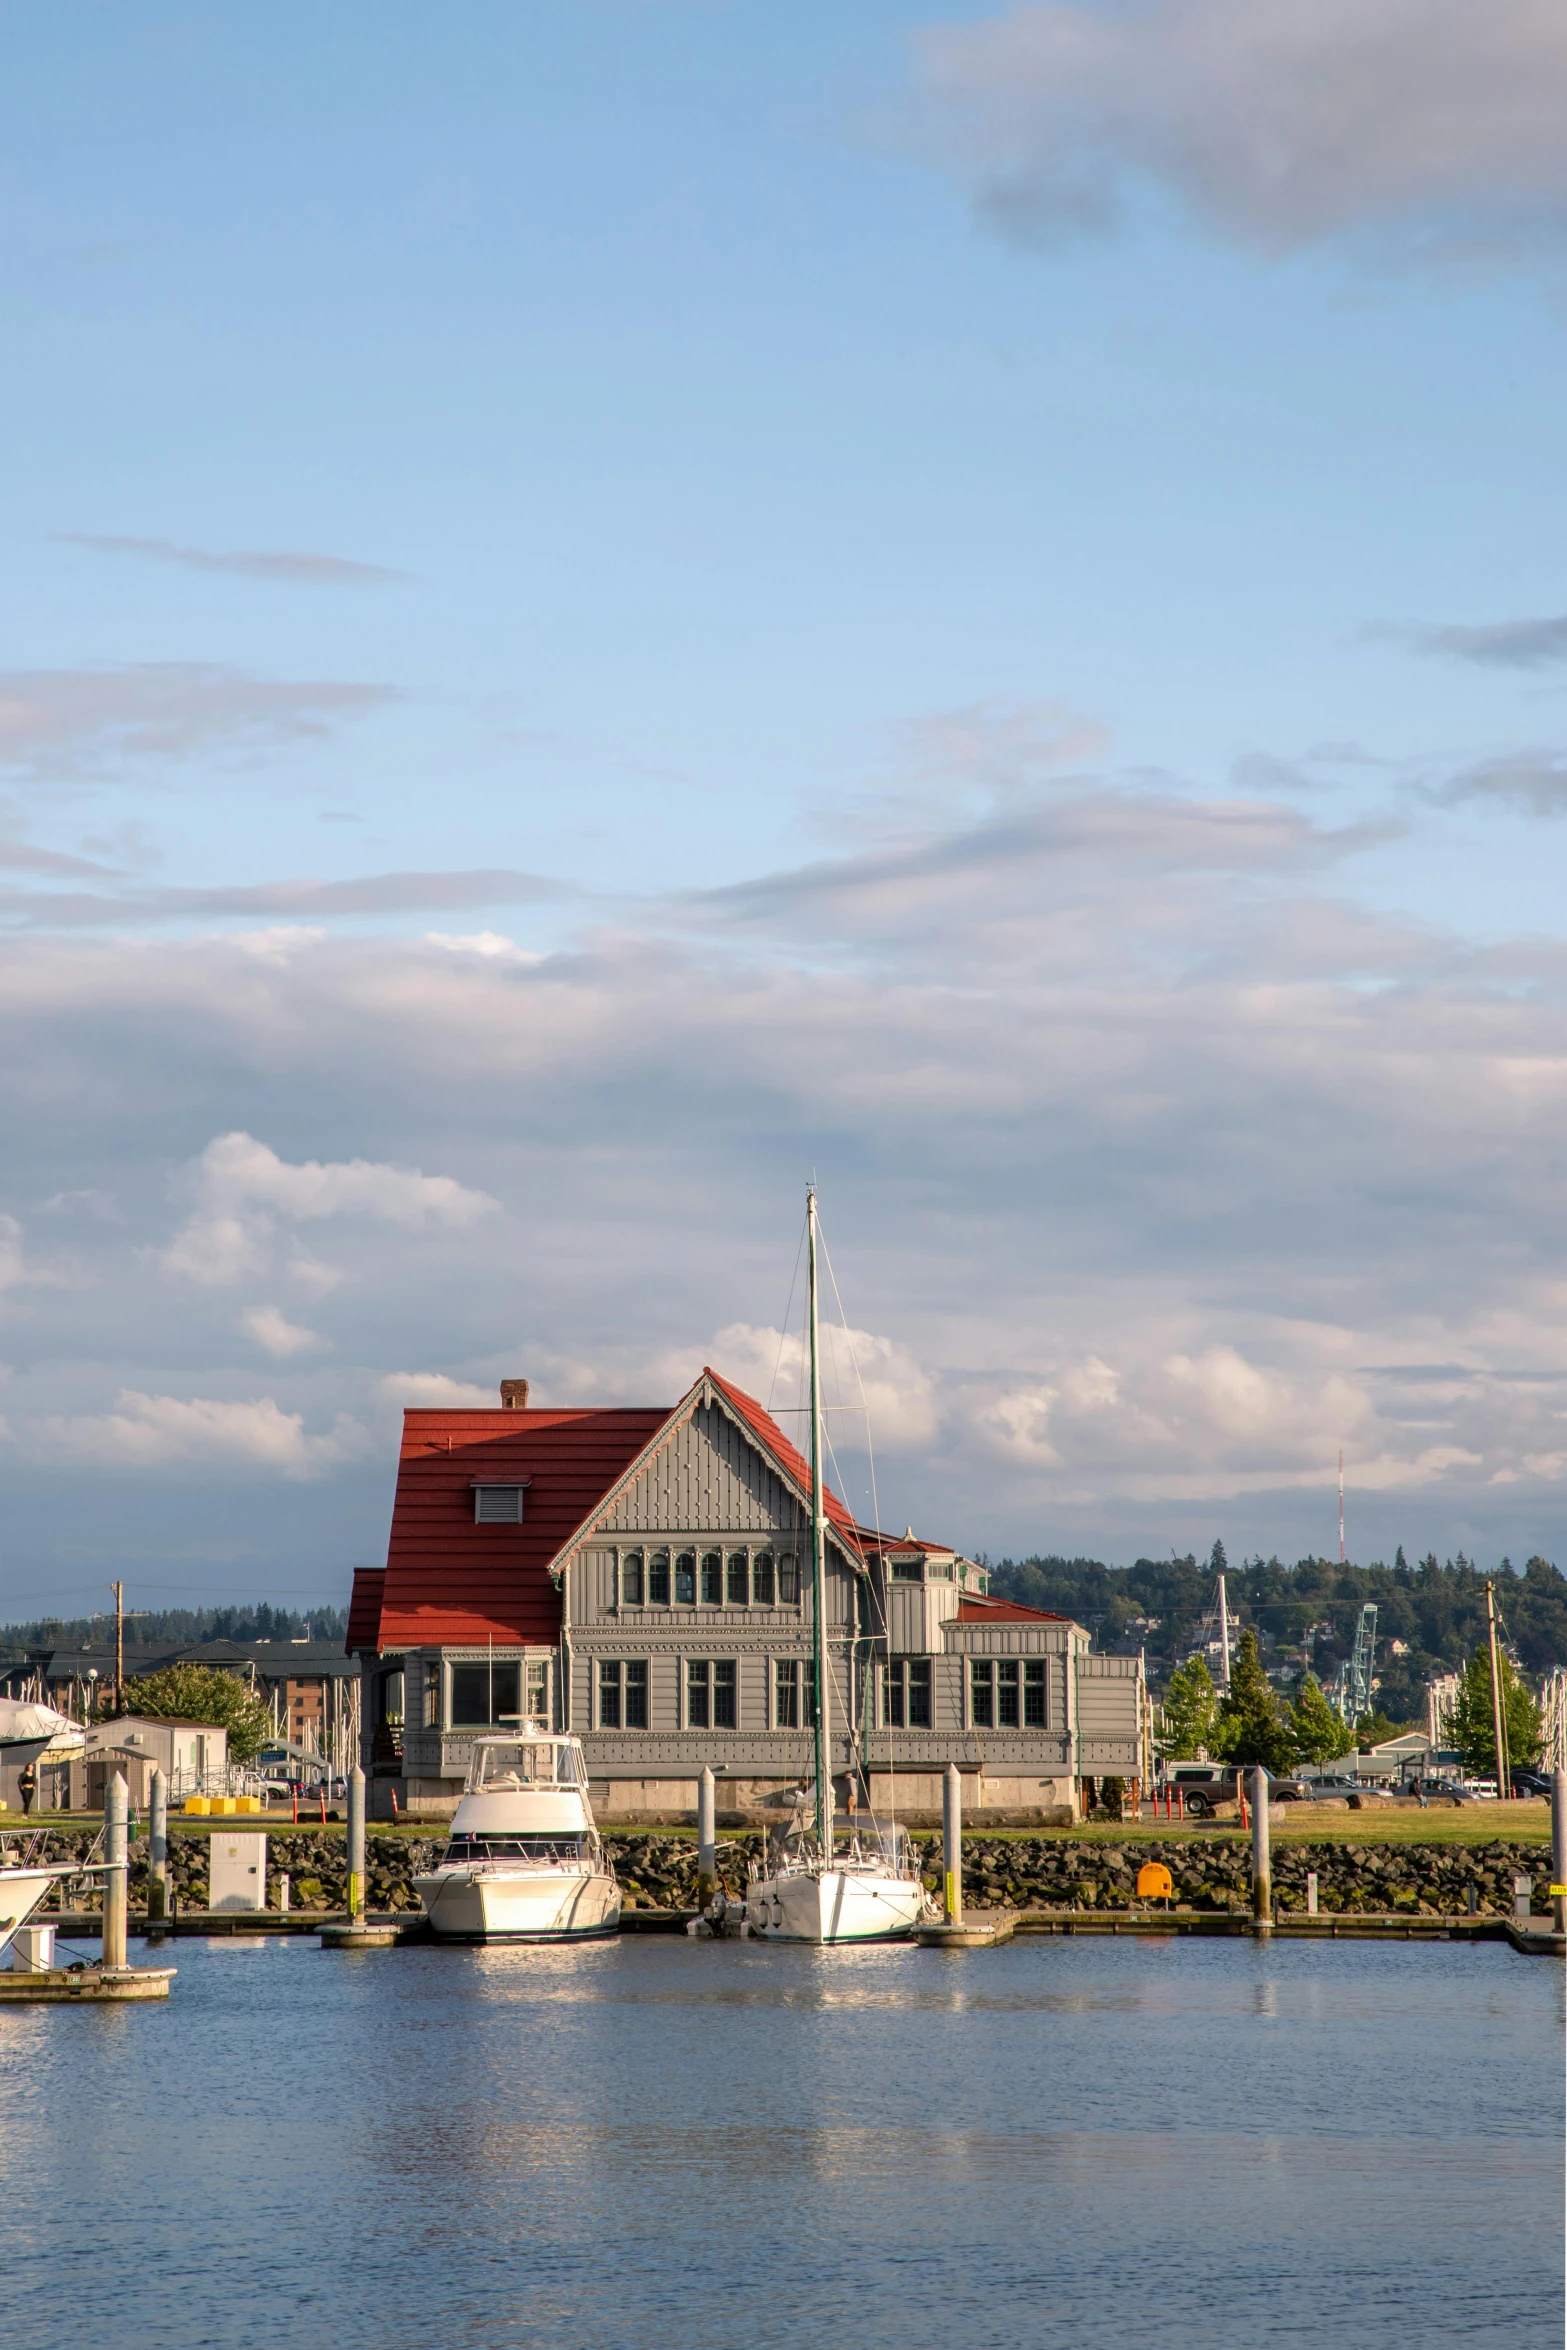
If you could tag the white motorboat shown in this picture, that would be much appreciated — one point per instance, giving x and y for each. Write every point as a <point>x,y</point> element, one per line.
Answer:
<point>523,1862</point>
<point>22,1888</point>
<point>814,1891</point>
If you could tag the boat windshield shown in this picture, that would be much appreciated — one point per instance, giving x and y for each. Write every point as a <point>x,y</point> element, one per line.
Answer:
<point>547,1851</point>
<point>504,1767</point>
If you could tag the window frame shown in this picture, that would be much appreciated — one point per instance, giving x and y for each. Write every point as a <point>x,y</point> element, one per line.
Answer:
<point>981,1675</point>
<point>495,1486</point>
<point>714,1688</point>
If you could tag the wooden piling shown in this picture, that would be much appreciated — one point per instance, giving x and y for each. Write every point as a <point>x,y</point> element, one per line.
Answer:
<point>1559,1851</point>
<point>356,1844</point>
<point>116,1885</point>
<point>1261,1871</point>
<point>158,1849</point>
<point>952,1845</point>
<point>706,1839</point>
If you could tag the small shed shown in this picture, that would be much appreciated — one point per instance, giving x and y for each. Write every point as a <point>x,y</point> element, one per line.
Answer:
<point>193,1757</point>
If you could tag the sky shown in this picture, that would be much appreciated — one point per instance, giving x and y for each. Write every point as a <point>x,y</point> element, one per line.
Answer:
<point>609,609</point>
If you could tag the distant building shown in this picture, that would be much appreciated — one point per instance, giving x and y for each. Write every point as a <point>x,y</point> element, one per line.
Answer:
<point>642,1577</point>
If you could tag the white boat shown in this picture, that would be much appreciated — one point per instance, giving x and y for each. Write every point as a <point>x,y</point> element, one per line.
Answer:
<point>523,1862</point>
<point>864,1887</point>
<point>22,1888</point>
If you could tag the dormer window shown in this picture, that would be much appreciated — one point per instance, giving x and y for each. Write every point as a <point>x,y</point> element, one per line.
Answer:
<point>498,1505</point>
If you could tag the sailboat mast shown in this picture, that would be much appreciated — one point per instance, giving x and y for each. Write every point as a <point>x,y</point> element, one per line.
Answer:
<point>1224,1634</point>
<point>818,1556</point>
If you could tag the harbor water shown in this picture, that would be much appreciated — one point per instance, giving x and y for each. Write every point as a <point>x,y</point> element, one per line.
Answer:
<point>656,2143</point>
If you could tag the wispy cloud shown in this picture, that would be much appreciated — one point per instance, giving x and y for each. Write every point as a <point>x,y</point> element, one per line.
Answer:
<point>1533,782</point>
<point>1429,126</point>
<point>1500,644</point>
<point>244,562</point>
<point>368,893</point>
<point>70,724</point>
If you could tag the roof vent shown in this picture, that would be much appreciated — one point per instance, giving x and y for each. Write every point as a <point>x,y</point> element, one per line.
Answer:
<point>514,1395</point>
<point>908,1534</point>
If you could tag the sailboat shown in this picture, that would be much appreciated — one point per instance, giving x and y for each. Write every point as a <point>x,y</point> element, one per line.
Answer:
<point>814,1891</point>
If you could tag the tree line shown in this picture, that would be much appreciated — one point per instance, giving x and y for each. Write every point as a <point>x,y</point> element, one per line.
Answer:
<point>181,1627</point>
<point>1436,1608</point>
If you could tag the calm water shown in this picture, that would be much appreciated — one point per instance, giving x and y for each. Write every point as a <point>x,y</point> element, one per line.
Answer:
<point>657,2143</point>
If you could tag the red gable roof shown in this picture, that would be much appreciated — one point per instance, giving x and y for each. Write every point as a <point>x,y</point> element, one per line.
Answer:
<point>973,1610</point>
<point>448,1579</point>
<point>364,1610</point>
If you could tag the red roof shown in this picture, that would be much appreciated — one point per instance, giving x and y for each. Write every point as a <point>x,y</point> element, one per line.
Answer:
<point>449,1579</point>
<point>364,1610</point>
<point>973,1610</point>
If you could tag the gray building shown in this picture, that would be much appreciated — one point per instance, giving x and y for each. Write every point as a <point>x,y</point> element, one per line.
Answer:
<point>642,1578</point>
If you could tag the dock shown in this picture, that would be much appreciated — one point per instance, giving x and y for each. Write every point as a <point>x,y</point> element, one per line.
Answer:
<point>27,1986</point>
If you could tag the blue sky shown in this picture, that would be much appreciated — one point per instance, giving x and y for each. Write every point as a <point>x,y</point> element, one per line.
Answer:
<point>963,599</point>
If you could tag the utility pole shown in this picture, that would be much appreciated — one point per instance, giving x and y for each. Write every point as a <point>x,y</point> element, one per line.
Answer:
<point>119,1646</point>
<point>1503,1774</point>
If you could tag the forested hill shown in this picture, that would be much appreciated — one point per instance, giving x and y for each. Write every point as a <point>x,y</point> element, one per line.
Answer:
<point>184,1626</point>
<point>1438,1611</point>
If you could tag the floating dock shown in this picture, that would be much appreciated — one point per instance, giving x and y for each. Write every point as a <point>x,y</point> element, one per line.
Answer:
<point>25,1986</point>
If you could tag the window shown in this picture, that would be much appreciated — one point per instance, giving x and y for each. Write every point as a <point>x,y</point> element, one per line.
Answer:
<point>658,1578</point>
<point>762,1572</point>
<point>908,1693</point>
<point>788,1581</point>
<point>622,1694</point>
<point>485,1694</point>
<point>786,1693</point>
<point>497,1505</point>
<point>711,1694</point>
<point>685,1578</point>
<point>712,1578</point>
<point>631,1579</point>
<point>1035,1703</point>
<point>739,1578</point>
<point>1008,1693</point>
<point>905,1570</point>
<point>432,1695</point>
<point>936,1572</point>
<point>982,1692</point>
<point>539,1692</point>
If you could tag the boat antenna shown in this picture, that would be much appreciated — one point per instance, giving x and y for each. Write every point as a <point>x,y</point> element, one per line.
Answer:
<point>818,1552</point>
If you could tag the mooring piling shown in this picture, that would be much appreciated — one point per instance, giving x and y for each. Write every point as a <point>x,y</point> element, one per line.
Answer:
<point>706,1839</point>
<point>1261,1873</point>
<point>1311,1893</point>
<point>1559,1851</point>
<point>952,1845</point>
<point>158,1849</point>
<point>356,1843</point>
<point>116,1882</point>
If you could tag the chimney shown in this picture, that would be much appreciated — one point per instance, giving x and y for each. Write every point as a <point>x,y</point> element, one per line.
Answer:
<point>514,1395</point>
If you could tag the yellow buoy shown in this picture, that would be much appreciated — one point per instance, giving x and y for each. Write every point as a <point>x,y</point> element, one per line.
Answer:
<point>1154,1882</point>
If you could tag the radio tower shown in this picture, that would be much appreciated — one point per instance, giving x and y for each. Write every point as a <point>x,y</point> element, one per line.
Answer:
<point>1341,1508</point>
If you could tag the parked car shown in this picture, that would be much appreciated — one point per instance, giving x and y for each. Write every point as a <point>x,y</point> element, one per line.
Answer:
<point>1202,1787</point>
<point>1331,1785</point>
<point>1439,1790</point>
<point>1528,1781</point>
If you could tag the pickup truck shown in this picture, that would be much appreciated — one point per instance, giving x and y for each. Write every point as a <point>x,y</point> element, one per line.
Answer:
<point>1202,1787</point>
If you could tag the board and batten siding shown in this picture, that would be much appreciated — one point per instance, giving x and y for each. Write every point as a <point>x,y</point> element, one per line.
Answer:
<point>709,1478</point>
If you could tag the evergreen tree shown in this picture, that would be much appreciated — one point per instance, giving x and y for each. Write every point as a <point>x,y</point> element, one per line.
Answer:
<point>1373,1728</point>
<point>200,1693</point>
<point>1217,1563</point>
<point>1473,1725</point>
<point>1250,1727</point>
<point>1186,1725</point>
<point>1317,1733</point>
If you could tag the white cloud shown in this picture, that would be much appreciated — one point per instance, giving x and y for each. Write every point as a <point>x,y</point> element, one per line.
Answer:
<point>433,1391</point>
<point>1425,124</point>
<point>271,1329</point>
<point>160,1431</point>
<point>68,723</point>
<point>858,1366</point>
<point>244,1189</point>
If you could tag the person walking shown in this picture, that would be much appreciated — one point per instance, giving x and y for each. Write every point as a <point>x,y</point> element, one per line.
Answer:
<point>27,1788</point>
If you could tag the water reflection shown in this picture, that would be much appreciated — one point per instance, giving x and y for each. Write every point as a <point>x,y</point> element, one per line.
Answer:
<point>642,2142</point>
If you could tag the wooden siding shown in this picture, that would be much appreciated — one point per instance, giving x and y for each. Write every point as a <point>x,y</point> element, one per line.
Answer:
<point>709,1478</point>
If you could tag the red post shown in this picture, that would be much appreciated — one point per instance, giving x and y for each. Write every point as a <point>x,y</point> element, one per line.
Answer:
<point>394,1802</point>
<point>321,1794</point>
<point>1180,1803</point>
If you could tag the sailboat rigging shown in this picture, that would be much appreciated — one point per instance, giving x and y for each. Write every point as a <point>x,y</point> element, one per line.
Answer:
<point>810,1892</point>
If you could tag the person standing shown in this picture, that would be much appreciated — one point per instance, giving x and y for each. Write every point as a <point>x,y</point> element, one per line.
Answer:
<point>27,1787</point>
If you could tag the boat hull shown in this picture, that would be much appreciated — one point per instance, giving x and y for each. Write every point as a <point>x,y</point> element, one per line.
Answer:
<point>834,1905</point>
<point>500,1904</point>
<point>21,1890</point>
